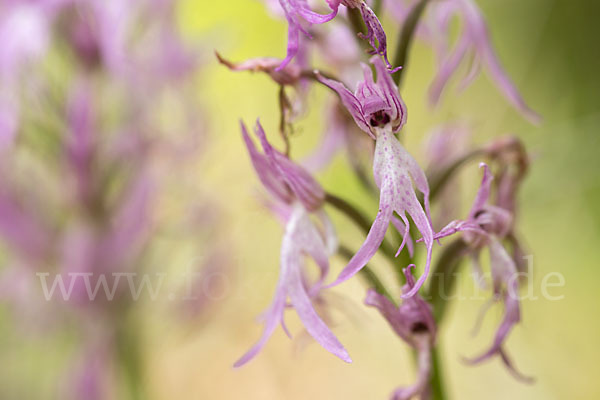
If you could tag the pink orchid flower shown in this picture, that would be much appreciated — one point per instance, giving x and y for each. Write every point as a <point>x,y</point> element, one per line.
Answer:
<point>413,322</point>
<point>298,195</point>
<point>378,109</point>
<point>485,226</point>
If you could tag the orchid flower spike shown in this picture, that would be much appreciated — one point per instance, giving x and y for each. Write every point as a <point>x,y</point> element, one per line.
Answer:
<point>485,226</point>
<point>299,195</point>
<point>473,40</point>
<point>378,109</point>
<point>298,11</point>
<point>413,321</point>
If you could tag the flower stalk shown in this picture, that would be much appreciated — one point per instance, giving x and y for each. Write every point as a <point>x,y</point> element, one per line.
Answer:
<point>406,38</point>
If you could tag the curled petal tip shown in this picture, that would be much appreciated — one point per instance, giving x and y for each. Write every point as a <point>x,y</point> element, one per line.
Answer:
<point>415,289</point>
<point>533,117</point>
<point>345,357</point>
<point>408,269</point>
<point>505,360</point>
<point>224,61</point>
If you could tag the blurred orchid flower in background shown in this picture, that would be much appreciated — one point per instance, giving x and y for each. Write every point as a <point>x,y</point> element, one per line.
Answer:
<point>83,171</point>
<point>472,47</point>
<point>474,40</point>
<point>485,226</point>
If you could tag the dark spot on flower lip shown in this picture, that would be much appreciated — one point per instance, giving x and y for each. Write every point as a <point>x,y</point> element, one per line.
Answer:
<point>478,213</point>
<point>483,225</point>
<point>379,118</point>
<point>419,327</point>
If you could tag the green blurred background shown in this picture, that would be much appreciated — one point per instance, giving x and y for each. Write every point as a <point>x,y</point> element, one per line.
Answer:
<point>550,48</point>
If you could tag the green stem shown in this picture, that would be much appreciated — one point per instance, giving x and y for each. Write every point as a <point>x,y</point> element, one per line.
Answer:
<point>439,179</point>
<point>443,277</point>
<point>377,6</point>
<point>436,381</point>
<point>441,285</point>
<point>129,354</point>
<point>406,36</point>
<point>284,104</point>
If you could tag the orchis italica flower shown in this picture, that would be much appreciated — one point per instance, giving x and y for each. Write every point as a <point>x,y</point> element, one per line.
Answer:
<point>473,43</point>
<point>297,10</point>
<point>299,195</point>
<point>485,226</point>
<point>378,109</point>
<point>413,322</point>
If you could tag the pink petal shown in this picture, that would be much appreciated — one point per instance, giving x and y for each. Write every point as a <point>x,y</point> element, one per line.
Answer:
<point>375,32</point>
<point>273,317</point>
<point>311,320</point>
<point>391,94</point>
<point>447,69</point>
<point>298,8</point>
<point>350,102</point>
<point>404,228</point>
<point>304,186</point>
<point>373,240</point>
<point>483,194</point>
<point>292,46</point>
<point>271,180</point>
